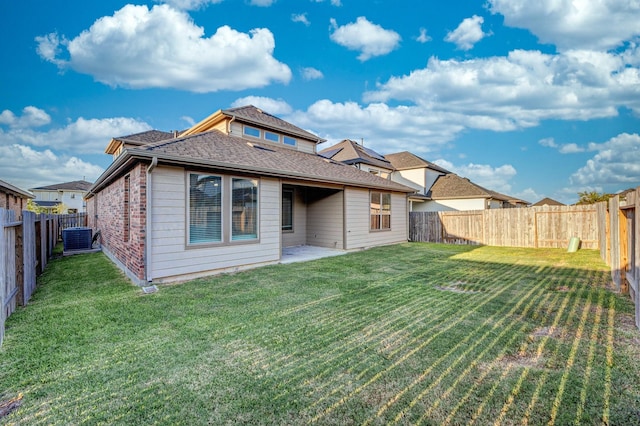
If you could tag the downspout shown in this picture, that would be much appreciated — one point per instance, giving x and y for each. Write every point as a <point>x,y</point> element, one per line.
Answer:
<point>147,237</point>
<point>233,118</point>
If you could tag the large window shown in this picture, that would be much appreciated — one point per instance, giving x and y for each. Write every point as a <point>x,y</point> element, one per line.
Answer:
<point>287,209</point>
<point>380,210</point>
<point>205,208</point>
<point>244,209</point>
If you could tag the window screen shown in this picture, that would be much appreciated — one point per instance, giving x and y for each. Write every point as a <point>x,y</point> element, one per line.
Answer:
<point>244,206</point>
<point>205,208</point>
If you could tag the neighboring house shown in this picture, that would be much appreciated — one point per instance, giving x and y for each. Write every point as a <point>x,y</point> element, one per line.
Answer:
<point>547,202</point>
<point>452,192</point>
<point>13,198</point>
<point>69,194</point>
<point>355,154</point>
<point>229,193</point>
<point>417,173</point>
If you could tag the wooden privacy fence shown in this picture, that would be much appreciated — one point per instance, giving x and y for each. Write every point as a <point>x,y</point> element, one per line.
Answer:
<point>25,247</point>
<point>534,227</point>
<point>620,247</point>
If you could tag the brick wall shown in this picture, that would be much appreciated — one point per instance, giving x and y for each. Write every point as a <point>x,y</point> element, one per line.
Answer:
<point>13,202</point>
<point>106,213</point>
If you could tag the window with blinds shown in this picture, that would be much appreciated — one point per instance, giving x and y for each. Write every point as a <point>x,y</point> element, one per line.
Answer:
<point>244,209</point>
<point>287,209</point>
<point>205,208</point>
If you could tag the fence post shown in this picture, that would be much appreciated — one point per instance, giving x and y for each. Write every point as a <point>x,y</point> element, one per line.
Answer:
<point>636,242</point>
<point>4,218</point>
<point>614,235</point>
<point>29,256</point>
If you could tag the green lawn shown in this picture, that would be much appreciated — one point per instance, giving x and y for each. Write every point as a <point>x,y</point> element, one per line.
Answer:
<point>410,334</point>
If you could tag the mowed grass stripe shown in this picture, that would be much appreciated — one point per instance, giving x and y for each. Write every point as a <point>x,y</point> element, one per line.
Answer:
<point>538,356</point>
<point>593,338</point>
<point>416,345</point>
<point>481,356</point>
<point>542,306</point>
<point>606,411</point>
<point>506,371</point>
<point>462,356</point>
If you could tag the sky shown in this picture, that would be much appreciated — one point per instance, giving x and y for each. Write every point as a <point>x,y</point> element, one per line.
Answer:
<point>532,99</point>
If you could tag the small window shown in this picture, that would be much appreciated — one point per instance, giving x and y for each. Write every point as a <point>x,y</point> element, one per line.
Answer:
<point>273,137</point>
<point>244,214</point>
<point>289,141</point>
<point>205,208</point>
<point>251,131</point>
<point>287,209</point>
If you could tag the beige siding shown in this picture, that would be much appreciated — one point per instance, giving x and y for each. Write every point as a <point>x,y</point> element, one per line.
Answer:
<point>302,145</point>
<point>299,235</point>
<point>324,222</point>
<point>306,146</point>
<point>357,220</point>
<point>413,178</point>
<point>171,259</point>
<point>453,205</point>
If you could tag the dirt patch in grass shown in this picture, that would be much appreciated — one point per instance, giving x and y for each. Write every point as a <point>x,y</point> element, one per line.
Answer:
<point>553,332</point>
<point>521,360</point>
<point>461,287</point>
<point>9,405</point>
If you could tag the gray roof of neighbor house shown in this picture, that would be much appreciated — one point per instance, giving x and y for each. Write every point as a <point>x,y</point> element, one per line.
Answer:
<point>251,114</point>
<point>76,185</point>
<point>7,187</point>
<point>406,160</point>
<point>217,150</point>
<point>351,152</point>
<point>547,201</point>
<point>453,186</point>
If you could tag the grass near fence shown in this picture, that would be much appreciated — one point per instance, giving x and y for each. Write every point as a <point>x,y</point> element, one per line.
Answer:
<point>408,334</point>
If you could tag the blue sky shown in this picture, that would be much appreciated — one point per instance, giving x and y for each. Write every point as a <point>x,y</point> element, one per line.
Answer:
<point>532,99</point>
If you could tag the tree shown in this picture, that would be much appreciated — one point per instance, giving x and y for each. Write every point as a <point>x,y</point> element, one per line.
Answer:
<point>592,197</point>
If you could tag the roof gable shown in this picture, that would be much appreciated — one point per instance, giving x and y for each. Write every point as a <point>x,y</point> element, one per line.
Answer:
<point>351,152</point>
<point>251,115</point>
<point>8,188</point>
<point>454,186</point>
<point>406,160</point>
<point>547,201</point>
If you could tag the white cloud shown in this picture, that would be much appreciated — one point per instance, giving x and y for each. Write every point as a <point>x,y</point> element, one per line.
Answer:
<point>367,38</point>
<point>521,89</point>
<point>468,33</point>
<point>79,136</point>
<point>423,37</point>
<point>189,4</point>
<point>574,24</point>
<point>485,175</point>
<point>383,128</point>
<point>262,3</point>
<point>44,167</point>
<point>272,106</point>
<point>336,3</point>
<point>162,47</point>
<point>189,120</point>
<point>617,162</point>
<point>569,148</point>
<point>31,117</point>
<point>311,74</point>
<point>300,17</point>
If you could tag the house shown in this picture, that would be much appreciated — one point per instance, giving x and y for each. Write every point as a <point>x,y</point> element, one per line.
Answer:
<point>13,198</point>
<point>230,193</point>
<point>355,154</point>
<point>68,194</point>
<point>547,202</point>
<point>452,192</point>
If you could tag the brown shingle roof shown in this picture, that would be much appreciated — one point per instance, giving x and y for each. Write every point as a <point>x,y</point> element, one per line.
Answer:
<point>76,185</point>
<point>149,136</point>
<point>454,186</point>
<point>405,160</point>
<point>547,201</point>
<point>215,149</point>
<point>350,152</point>
<point>251,114</point>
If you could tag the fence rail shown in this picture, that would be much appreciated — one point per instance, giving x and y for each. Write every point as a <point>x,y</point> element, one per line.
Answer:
<point>25,247</point>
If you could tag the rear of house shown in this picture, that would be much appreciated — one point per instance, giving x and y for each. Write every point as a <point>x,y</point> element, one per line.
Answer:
<point>230,193</point>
